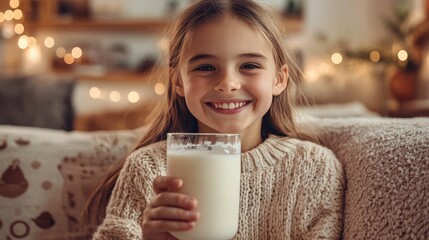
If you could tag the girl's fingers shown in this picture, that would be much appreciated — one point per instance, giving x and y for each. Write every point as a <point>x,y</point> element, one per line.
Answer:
<point>172,213</point>
<point>169,210</point>
<point>174,200</point>
<point>166,183</point>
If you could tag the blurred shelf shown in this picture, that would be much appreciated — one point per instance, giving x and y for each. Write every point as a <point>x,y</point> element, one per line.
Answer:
<point>110,76</point>
<point>139,25</point>
<point>43,15</point>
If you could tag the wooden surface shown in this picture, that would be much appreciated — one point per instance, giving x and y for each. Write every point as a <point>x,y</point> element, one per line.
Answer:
<point>141,25</point>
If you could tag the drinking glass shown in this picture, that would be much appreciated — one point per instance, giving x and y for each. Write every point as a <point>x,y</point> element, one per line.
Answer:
<point>209,165</point>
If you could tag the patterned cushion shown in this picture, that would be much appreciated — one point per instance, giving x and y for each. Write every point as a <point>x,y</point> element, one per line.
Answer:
<point>46,175</point>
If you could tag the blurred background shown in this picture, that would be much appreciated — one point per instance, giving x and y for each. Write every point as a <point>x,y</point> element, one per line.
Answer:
<point>88,64</point>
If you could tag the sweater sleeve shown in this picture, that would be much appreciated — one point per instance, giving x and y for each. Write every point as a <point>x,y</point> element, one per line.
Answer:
<point>319,209</point>
<point>124,213</point>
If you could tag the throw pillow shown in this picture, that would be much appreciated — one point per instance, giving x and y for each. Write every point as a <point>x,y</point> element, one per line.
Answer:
<point>23,98</point>
<point>34,196</point>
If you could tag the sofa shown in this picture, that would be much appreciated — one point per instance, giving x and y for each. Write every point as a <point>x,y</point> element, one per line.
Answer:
<point>46,176</point>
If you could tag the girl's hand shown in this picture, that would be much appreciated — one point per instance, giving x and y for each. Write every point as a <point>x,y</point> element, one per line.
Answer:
<point>169,210</point>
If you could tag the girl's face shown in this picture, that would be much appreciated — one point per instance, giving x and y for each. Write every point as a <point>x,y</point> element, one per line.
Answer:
<point>228,78</point>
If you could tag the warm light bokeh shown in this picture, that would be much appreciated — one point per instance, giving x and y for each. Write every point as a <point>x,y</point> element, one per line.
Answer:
<point>374,56</point>
<point>60,52</point>
<point>94,92</point>
<point>133,97</point>
<point>33,57</point>
<point>49,42</point>
<point>76,52</point>
<point>402,55</point>
<point>23,42</point>
<point>17,14</point>
<point>68,58</point>
<point>14,3</point>
<point>8,15</point>
<point>19,28</point>
<point>115,96</point>
<point>336,58</point>
<point>159,88</point>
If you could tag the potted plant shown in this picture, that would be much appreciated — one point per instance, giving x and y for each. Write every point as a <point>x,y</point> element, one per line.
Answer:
<point>404,58</point>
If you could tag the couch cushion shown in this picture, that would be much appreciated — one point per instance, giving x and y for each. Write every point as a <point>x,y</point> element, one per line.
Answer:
<point>23,98</point>
<point>387,169</point>
<point>43,182</point>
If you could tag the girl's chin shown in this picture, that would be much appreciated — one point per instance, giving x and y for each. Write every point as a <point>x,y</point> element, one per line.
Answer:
<point>231,130</point>
<point>221,129</point>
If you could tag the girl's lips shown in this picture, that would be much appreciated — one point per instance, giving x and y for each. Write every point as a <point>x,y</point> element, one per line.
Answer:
<point>229,107</point>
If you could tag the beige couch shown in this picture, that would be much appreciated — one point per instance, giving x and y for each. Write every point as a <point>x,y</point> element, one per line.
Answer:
<point>47,174</point>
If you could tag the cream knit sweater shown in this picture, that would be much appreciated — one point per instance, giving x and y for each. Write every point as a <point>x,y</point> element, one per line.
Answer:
<point>290,189</point>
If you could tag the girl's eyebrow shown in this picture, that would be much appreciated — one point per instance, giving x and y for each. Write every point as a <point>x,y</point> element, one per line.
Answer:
<point>200,56</point>
<point>244,55</point>
<point>252,55</point>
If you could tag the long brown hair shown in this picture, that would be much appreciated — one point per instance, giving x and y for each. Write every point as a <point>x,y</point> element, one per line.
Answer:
<point>173,115</point>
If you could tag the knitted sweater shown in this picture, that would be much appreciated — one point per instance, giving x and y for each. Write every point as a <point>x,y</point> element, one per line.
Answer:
<point>290,189</point>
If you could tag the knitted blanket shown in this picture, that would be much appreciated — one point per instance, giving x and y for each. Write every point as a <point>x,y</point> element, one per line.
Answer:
<point>386,162</point>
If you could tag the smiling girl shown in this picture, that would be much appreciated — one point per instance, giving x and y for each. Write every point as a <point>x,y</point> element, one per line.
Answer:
<point>229,73</point>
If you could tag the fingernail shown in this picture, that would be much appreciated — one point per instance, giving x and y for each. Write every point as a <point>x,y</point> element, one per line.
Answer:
<point>191,215</point>
<point>191,224</point>
<point>177,182</point>
<point>189,202</point>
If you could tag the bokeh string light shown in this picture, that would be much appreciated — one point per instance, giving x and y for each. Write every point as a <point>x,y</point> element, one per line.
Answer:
<point>374,56</point>
<point>13,23</point>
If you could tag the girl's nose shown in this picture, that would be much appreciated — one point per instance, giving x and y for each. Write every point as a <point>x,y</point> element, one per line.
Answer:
<point>227,82</point>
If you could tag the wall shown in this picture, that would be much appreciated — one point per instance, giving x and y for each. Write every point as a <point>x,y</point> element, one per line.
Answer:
<point>359,23</point>
<point>355,25</point>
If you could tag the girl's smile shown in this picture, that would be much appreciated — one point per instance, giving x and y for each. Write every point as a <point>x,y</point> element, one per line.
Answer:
<point>228,106</point>
<point>228,78</point>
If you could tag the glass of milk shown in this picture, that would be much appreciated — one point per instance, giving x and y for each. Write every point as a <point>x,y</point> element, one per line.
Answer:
<point>209,165</point>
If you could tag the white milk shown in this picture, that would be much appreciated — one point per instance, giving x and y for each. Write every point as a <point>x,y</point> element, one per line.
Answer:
<point>214,180</point>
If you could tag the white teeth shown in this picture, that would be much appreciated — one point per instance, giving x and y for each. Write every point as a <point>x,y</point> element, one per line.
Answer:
<point>229,106</point>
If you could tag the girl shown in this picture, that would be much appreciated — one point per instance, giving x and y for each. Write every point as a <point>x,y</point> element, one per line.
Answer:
<point>228,73</point>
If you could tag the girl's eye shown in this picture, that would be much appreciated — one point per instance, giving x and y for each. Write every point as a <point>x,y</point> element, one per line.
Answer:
<point>205,68</point>
<point>249,66</point>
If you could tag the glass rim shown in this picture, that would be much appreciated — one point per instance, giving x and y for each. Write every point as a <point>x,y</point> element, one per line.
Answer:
<point>205,134</point>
